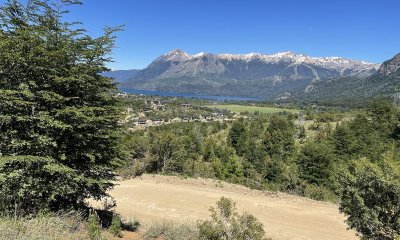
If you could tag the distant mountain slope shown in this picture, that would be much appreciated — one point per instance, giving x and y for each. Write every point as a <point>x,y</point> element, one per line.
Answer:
<point>121,75</point>
<point>390,66</point>
<point>251,75</point>
<point>386,82</point>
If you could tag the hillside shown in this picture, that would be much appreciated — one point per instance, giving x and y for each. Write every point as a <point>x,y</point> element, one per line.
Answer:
<point>285,217</point>
<point>121,75</point>
<point>252,75</point>
<point>385,83</point>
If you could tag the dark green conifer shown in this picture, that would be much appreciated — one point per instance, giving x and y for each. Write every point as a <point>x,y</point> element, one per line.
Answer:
<point>57,113</point>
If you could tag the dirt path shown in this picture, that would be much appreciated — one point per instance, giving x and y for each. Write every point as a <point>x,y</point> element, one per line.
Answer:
<point>285,217</point>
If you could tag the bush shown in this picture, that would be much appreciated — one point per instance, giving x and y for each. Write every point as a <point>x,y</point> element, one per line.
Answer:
<point>320,193</point>
<point>171,231</point>
<point>131,225</point>
<point>227,224</point>
<point>370,198</point>
<point>116,226</point>
<point>93,226</point>
<point>136,169</point>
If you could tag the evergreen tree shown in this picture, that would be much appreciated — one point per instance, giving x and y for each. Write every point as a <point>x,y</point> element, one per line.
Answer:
<point>237,137</point>
<point>279,138</point>
<point>316,163</point>
<point>57,115</point>
<point>384,115</point>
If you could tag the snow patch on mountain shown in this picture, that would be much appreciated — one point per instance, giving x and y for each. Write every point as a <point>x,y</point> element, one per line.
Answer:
<point>327,62</point>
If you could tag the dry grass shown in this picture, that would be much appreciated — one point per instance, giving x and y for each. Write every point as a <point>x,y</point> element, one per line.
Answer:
<point>54,227</point>
<point>169,230</point>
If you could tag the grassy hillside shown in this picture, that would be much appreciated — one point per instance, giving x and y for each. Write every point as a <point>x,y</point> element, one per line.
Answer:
<point>246,108</point>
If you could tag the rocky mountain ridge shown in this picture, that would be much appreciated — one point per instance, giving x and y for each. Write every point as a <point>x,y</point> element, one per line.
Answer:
<point>251,75</point>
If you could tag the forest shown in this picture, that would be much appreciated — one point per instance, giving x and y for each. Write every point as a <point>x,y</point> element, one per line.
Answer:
<point>278,152</point>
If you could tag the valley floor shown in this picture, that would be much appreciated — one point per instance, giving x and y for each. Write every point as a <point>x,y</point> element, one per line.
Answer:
<point>153,197</point>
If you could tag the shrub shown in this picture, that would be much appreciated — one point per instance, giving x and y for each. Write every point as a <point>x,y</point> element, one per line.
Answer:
<point>171,231</point>
<point>131,225</point>
<point>44,227</point>
<point>227,224</point>
<point>370,198</point>
<point>93,226</point>
<point>116,226</point>
<point>136,169</point>
<point>320,193</point>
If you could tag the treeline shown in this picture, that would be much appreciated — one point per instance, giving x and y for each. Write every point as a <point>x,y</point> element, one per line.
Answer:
<point>276,152</point>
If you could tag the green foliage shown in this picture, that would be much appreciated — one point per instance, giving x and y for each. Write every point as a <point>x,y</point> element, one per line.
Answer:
<point>116,226</point>
<point>369,134</point>
<point>227,224</point>
<point>162,149</point>
<point>385,117</point>
<point>320,193</point>
<point>57,117</point>
<point>315,163</point>
<point>30,184</point>
<point>279,138</point>
<point>233,169</point>
<point>275,171</point>
<point>93,226</point>
<point>264,152</point>
<point>237,137</point>
<point>370,197</point>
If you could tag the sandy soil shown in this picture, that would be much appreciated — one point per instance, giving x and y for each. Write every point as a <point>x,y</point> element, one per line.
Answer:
<point>151,198</point>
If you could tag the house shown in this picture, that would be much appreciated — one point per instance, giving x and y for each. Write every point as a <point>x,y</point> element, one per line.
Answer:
<point>185,119</point>
<point>122,95</point>
<point>157,121</point>
<point>208,117</point>
<point>159,107</point>
<point>186,105</point>
<point>141,122</point>
<point>147,109</point>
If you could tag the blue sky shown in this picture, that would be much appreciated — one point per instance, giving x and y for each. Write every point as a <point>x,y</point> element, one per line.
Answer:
<point>358,29</point>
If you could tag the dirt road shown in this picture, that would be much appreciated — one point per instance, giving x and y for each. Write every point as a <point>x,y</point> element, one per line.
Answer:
<point>285,217</point>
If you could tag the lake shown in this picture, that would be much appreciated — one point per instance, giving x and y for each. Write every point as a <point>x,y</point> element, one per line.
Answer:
<point>188,95</point>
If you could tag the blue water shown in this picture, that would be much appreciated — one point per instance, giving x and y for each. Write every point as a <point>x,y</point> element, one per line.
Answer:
<point>188,95</point>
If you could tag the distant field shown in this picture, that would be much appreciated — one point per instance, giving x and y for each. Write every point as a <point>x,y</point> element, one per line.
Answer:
<point>243,108</point>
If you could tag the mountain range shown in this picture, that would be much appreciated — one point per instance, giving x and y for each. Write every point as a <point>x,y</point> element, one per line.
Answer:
<point>276,76</point>
<point>121,76</point>
<point>355,90</point>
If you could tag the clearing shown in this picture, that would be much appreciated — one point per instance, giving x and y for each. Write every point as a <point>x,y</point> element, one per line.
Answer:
<point>153,197</point>
<point>243,108</point>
